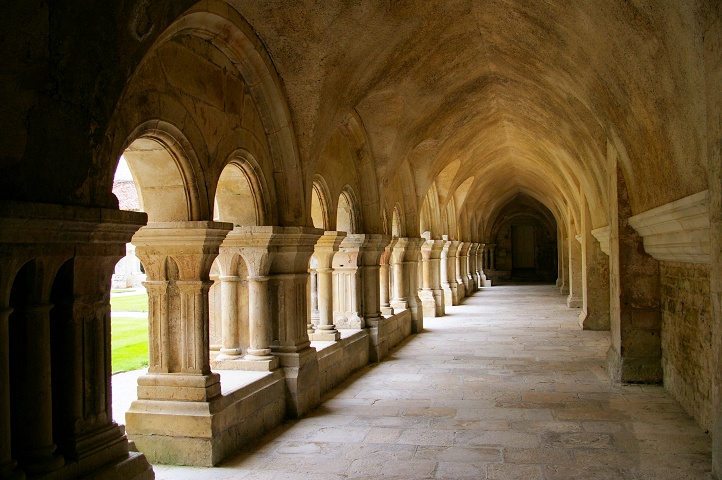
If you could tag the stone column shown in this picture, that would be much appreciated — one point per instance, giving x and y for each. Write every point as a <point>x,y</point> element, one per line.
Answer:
<point>401,288</point>
<point>595,278</point>
<point>315,314</point>
<point>373,247</point>
<point>492,258</point>
<point>445,273</point>
<point>564,255</point>
<point>230,335</point>
<point>384,281</point>
<point>254,246</point>
<point>288,296</point>
<point>7,464</point>
<point>574,299</point>
<point>177,257</point>
<point>347,282</point>
<point>635,315</point>
<point>326,247</point>
<point>63,392</point>
<point>453,285</point>
<point>412,259</point>
<point>560,260</point>
<point>464,268</point>
<point>460,264</point>
<point>480,263</point>
<point>432,297</point>
<point>473,274</point>
<point>35,450</point>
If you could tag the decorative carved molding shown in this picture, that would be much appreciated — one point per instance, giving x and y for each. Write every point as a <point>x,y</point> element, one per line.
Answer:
<point>602,236</point>
<point>677,231</point>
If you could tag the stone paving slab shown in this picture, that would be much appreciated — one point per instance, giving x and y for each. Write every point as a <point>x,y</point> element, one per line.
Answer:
<point>507,387</point>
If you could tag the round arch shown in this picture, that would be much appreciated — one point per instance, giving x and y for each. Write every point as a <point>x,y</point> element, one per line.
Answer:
<point>347,213</point>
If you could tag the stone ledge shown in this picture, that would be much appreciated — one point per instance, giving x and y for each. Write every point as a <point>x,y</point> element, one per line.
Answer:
<point>602,236</point>
<point>677,231</point>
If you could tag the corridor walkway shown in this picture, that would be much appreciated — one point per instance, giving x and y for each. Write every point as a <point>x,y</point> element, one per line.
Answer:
<point>505,387</point>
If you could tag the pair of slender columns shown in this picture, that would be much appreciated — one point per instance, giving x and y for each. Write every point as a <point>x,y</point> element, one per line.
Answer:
<point>490,259</point>
<point>55,408</point>
<point>462,265</point>
<point>326,247</point>
<point>253,247</point>
<point>405,259</point>
<point>177,257</point>
<point>431,294</point>
<point>448,272</point>
<point>385,279</point>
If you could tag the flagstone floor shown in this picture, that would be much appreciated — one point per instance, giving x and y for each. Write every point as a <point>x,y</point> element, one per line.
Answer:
<point>506,386</point>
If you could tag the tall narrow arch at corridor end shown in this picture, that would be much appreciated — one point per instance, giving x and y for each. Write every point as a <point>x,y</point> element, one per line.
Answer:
<point>524,233</point>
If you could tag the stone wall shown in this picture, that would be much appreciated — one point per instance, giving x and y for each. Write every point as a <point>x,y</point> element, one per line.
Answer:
<point>687,358</point>
<point>338,360</point>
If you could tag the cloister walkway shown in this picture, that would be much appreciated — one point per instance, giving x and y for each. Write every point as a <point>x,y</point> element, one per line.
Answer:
<point>507,386</point>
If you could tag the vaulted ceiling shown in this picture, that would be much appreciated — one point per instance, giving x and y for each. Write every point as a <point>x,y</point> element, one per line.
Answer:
<point>522,96</point>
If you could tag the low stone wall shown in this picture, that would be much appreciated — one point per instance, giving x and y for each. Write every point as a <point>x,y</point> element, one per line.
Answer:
<point>388,332</point>
<point>205,433</point>
<point>687,359</point>
<point>337,360</point>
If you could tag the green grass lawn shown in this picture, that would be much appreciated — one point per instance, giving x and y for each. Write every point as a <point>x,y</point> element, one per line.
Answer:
<point>129,335</point>
<point>129,303</point>
<point>129,341</point>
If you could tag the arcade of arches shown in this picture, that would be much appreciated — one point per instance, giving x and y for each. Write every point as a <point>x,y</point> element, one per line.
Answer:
<point>316,178</point>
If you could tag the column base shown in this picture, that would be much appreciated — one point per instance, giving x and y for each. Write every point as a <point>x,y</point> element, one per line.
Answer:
<point>205,433</point>
<point>646,370</point>
<point>448,295</point>
<point>428,303</point>
<point>253,365</point>
<point>40,464</point>
<point>386,311</point>
<point>325,336</point>
<point>9,471</point>
<point>399,305</point>
<point>179,386</point>
<point>574,302</point>
<point>302,376</point>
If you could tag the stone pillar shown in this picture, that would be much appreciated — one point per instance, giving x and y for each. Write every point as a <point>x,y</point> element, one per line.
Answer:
<point>7,464</point>
<point>406,254</point>
<point>474,266</point>
<point>62,393</point>
<point>35,450</point>
<point>492,258</point>
<point>444,272</point>
<point>432,297</point>
<point>177,257</point>
<point>401,288</point>
<point>713,77</point>
<point>560,260</point>
<point>373,248</point>
<point>466,278</point>
<point>230,335</point>
<point>288,296</point>
<point>574,299</point>
<point>259,325</point>
<point>635,352</point>
<point>326,247</point>
<point>384,280</point>
<point>595,278</point>
<point>347,282</point>
<point>480,263</point>
<point>315,314</point>
<point>412,259</point>
<point>564,256</point>
<point>473,273</point>
<point>460,266</point>
<point>453,285</point>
